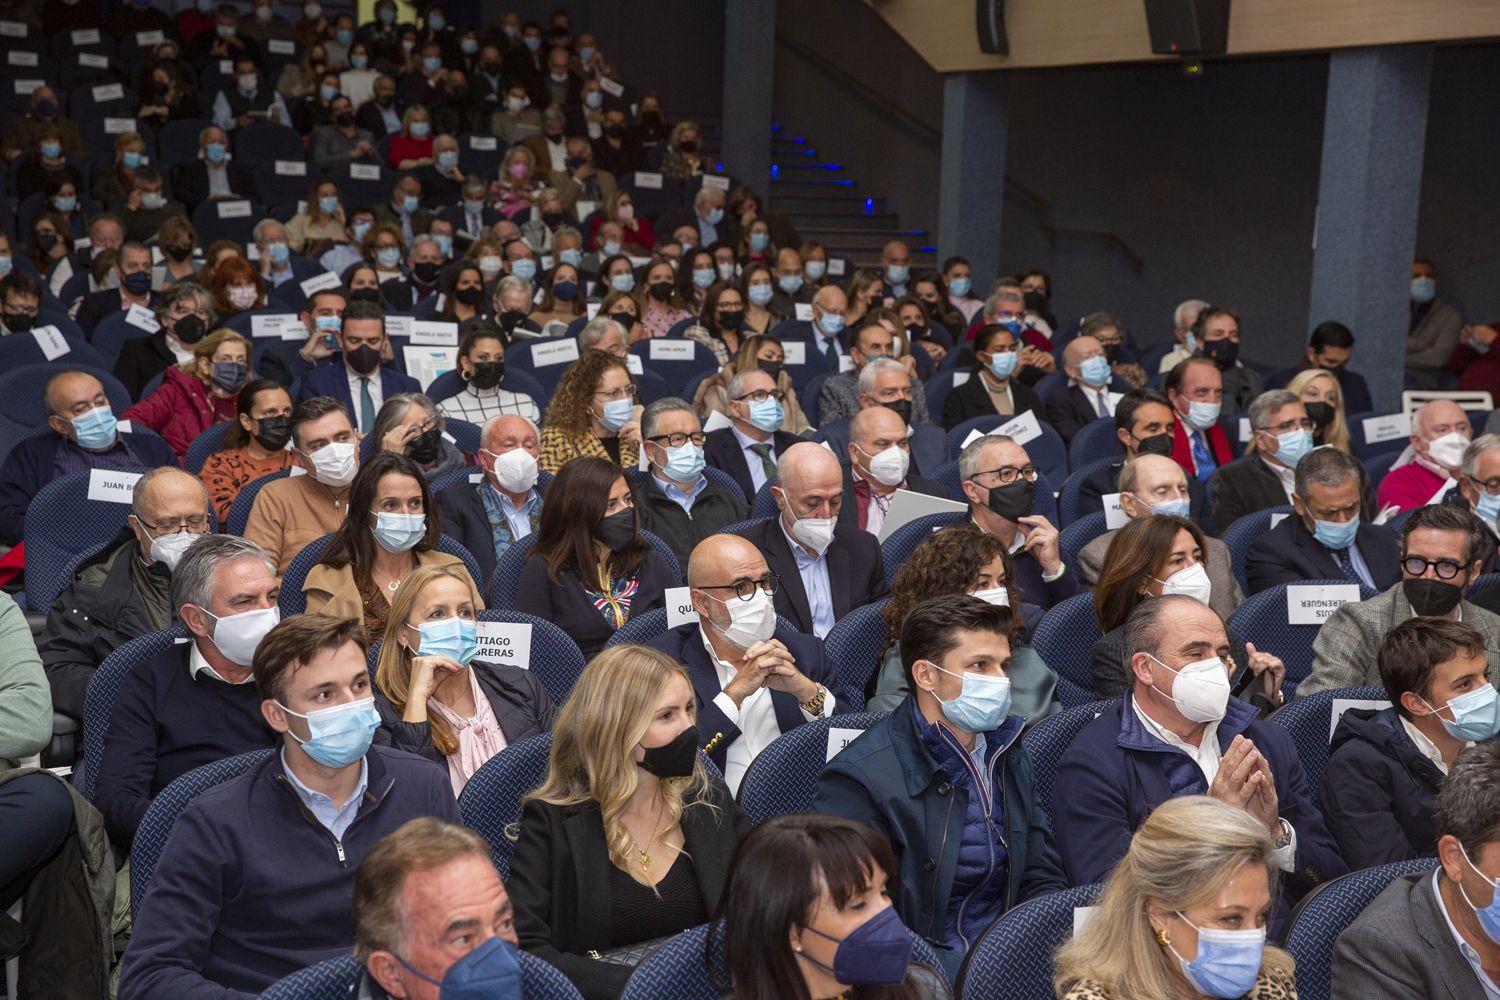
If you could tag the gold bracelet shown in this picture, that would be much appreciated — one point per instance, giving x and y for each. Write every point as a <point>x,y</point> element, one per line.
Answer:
<point>814,705</point>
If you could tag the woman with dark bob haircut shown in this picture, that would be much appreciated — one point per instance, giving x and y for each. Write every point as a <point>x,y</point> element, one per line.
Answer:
<point>807,916</point>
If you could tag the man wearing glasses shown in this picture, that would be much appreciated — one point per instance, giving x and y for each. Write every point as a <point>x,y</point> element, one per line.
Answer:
<point>1266,475</point>
<point>677,502</point>
<point>999,482</point>
<point>1440,549</point>
<point>754,681</point>
<point>749,448</point>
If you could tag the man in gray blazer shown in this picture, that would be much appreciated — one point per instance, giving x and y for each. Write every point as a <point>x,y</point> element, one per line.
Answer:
<point>1441,550</point>
<point>842,394</point>
<point>1430,935</point>
<point>1154,484</point>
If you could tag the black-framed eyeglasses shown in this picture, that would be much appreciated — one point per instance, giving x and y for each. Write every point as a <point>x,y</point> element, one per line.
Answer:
<point>1286,426</point>
<point>761,395</point>
<point>1446,569</point>
<point>677,440</point>
<point>745,589</point>
<point>196,523</point>
<point>1486,485</point>
<point>1008,474</point>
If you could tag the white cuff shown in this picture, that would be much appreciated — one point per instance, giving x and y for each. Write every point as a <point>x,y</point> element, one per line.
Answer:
<point>1286,857</point>
<point>728,707</point>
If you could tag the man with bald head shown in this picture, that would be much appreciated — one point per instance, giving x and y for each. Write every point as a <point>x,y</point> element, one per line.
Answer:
<point>791,288</point>
<point>879,465</point>
<point>749,448</point>
<point>1087,397</point>
<point>895,270</point>
<point>84,435</point>
<point>1145,425</point>
<point>490,516</point>
<point>1154,484</point>
<point>828,341</point>
<point>1440,432</point>
<point>754,681</point>
<point>826,571</point>
<point>121,592</point>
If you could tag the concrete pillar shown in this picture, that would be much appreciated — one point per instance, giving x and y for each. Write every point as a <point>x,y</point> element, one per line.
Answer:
<point>975,115</point>
<point>1369,185</point>
<point>749,70</point>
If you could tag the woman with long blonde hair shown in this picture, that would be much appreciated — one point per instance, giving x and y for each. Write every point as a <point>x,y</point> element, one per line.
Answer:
<point>1319,391</point>
<point>437,697</point>
<point>1184,914</point>
<point>629,838</point>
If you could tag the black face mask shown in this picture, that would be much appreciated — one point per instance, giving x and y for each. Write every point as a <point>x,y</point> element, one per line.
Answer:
<point>1222,352</point>
<point>771,368</point>
<point>1321,414</point>
<point>492,68</point>
<point>901,408</point>
<point>1111,353</point>
<point>661,291</point>
<point>625,319</point>
<point>617,531</point>
<point>274,433</point>
<point>457,93</point>
<point>487,374</point>
<point>512,318</point>
<point>552,219</point>
<point>180,251</point>
<point>1431,598</point>
<point>365,295</point>
<point>19,323</point>
<point>138,283</point>
<point>1012,502</point>
<point>675,759</point>
<point>344,119</point>
<point>1156,444</point>
<point>1034,301</point>
<point>364,359</point>
<point>650,117</point>
<point>615,131</point>
<point>45,242</point>
<point>385,100</point>
<point>690,146</point>
<point>469,296</point>
<point>730,319</point>
<point>915,333</point>
<point>190,328</point>
<point>426,272</point>
<point>425,447</point>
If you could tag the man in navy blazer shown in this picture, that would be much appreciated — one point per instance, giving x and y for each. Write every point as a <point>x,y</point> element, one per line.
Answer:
<point>1086,398</point>
<point>1324,539</point>
<point>1177,732</point>
<point>826,572</point>
<point>357,378</point>
<point>754,681</point>
<point>756,415</point>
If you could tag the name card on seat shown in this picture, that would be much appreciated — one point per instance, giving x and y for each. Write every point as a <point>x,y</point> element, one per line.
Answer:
<point>1022,429</point>
<point>108,92</point>
<point>321,282</point>
<point>112,485</point>
<point>145,38</point>
<point>13,29</point>
<point>803,311</point>
<point>836,267</point>
<point>142,318</point>
<point>434,333</point>
<point>665,349</point>
<point>116,126</point>
<point>839,738</point>
<point>275,325</point>
<point>234,210</point>
<point>27,86</point>
<point>715,181</point>
<point>505,642</point>
<point>1114,514</point>
<point>483,143</point>
<point>793,352</point>
<point>53,344</point>
<point>679,603</point>
<point>1390,427</point>
<point>647,180</point>
<point>633,364</point>
<point>17,58</point>
<point>398,326</point>
<point>281,47</point>
<point>291,168</point>
<point>611,88</point>
<point>86,36</point>
<point>364,172</point>
<point>561,353</point>
<point>1312,604</point>
<point>93,61</point>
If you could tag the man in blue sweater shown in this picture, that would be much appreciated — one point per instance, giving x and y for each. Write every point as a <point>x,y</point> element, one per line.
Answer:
<point>196,703</point>
<point>947,781</point>
<point>256,878</point>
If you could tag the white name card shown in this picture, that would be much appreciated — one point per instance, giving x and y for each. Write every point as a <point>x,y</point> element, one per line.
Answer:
<point>611,88</point>
<point>959,378</point>
<point>836,267</point>
<point>648,180</point>
<point>793,352</point>
<point>364,172</point>
<point>1245,432</point>
<point>839,738</point>
<point>1310,604</point>
<point>715,181</point>
<point>717,420</point>
<point>679,601</point>
<point>505,642</point>
<point>1277,519</point>
<point>483,143</point>
<point>112,485</point>
<point>118,126</point>
<point>583,209</point>
<point>633,364</point>
<point>226,67</point>
<point>13,29</point>
<point>108,92</point>
<point>281,47</point>
<point>561,353</point>
<point>53,344</point>
<point>320,283</point>
<point>398,326</point>
<point>87,36</point>
<point>592,308</point>
<point>273,325</point>
<point>93,61</point>
<point>434,333</point>
<point>144,38</point>
<point>26,87</point>
<point>1081,917</point>
<point>846,363</point>
<point>1342,705</point>
<point>662,349</point>
<point>294,331</point>
<point>142,318</point>
<point>1390,427</point>
<point>123,426</point>
<point>1114,514</point>
<point>234,210</point>
<point>803,312</point>
<point>1021,429</point>
<point>291,168</point>
<point>17,58</point>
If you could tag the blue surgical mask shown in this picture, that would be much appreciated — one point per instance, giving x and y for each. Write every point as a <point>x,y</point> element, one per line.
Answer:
<point>491,970</point>
<point>1476,714</point>
<point>524,267</point>
<point>1487,509</point>
<point>1228,962</point>
<point>468,46</point>
<point>330,324</point>
<point>65,203</point>
<point>399,532</point>
<point>455,638</point>
<point>1489,917</point>
<point>328,206</point>
<point>95,429</point>
<point>622,282</point>
<point>715,216</point>
<point>51,149</point>
<point>585,53</point>
<point>344,37</point>
<point>831,323</point>
<point>1095,371</point>
<point>610,249</point>
<point>360,230</point>
<point>447,159</point>
<point>684,464</point>
<point>1201,416</point>
<point>279,253</point>
<point>430,64</point>
<point>421,130</point>
<point>389,257</point>
<point>703,277</point>
<point>445,244</point>
<point>5,265</point>
<point>340,734</point>
<point>328,93</point>
<point>896,274</point>
<point>760,295</point>
<point>387,15</point>
<point>1003,364</point>
<point>215,152</point>
<point>570,256</point>
<point>410,204</point>
<point>1176,508</point>
<point>359,60</point>
<point>790,283</point>
<point>131,159</point>
<point>960,286</point>
<point>532,43</point>
<point>815,269</point>
<point>1423,289</point>
<point>617,413</point>
<point>766,415</point>
<point>1291,446</point>
<point>594,99</point>
<point>759,241</point>
<point>982,704</point>
<point>1336,534</point>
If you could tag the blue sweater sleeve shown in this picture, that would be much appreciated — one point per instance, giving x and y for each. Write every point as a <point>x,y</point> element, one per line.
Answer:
<point>21,476</point>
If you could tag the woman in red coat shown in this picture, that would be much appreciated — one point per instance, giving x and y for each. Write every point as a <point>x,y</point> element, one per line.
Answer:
<point>196,394</point>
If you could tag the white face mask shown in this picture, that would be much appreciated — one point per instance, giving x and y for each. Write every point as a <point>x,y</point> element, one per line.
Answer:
<point>1201,690</point>
<point>1448,450</point>
<point>814,532</point>
<point>888,468</point>
<point>1191,581</point>
<point>169,549</point>
<point>335,464</point>
<point>750,621</point>
<point>515,470</point>
<point>995,595</point>
<point>237,636</point>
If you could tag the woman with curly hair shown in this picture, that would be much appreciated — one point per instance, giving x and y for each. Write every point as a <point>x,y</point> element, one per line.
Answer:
<point>961,561</point>
<point>593,413</point>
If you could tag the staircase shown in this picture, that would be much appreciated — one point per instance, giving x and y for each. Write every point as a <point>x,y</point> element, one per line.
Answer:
<point>827,205</point>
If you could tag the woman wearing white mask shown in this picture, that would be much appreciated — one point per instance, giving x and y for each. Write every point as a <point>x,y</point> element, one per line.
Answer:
<point>1150,557</point>
<point>961,561</point>
<point>1184,914</point>
<point>593,412</point>
<point>437,697</point>
<point>391,529</point>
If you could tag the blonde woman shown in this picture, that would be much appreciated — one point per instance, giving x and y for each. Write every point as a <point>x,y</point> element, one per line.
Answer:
<point>1184,914</point>
<point>198,393</point>
<point>629,839</point>
<point>1319,392</point>
<point>413,147</point>
<point>518,187</point>
<point>435,697</point>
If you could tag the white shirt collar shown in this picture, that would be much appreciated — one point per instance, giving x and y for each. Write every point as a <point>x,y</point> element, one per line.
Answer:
<point>1205,754</point>
<point>197,664</point>
<point>1425,746</point>
<point>1491,991</point>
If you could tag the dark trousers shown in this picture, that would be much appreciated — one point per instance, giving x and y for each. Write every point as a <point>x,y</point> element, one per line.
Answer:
<point>36,814</point>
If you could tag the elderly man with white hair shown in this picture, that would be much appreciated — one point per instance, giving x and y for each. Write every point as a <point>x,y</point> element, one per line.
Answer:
<point>1087,397</point>
<point>1184,318</point>
<point>424,264</point>
<point>841,394</point>
<point>490,516</point>
<point>512,304</point>
<point>602,334</point>
<point>1440,432</point>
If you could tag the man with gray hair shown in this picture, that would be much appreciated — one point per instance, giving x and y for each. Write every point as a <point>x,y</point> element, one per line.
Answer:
<point>490,516</point>
<point>472,217</point>
<point>676,502</point>
<point>512,302</point>
<point>1087,397</point>
<point>1184,318</point>
<point>121,591</point>
<point>275,252</point>
<point>602,334</point>
<point>749,447</point>
<point>1281,434</point>
<point>1479,481</point>
<point>847,392</point>
<point>549,149</point>
<point>999,482</point>
<point>196,702</point>
<point>708,213</point>
<point>184,314</point>
<point>1325,539</point>
<point>425,263</point>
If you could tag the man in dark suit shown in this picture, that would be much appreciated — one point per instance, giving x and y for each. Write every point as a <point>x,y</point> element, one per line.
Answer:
<point>381,114</point>
<point>1325,539</point>
<point>509,490</point>
<point>1196,391</point>
<point>404,210</point>
<point>999,482</point>
<point>1265,478</point>
<point>1087,397</point>
<point>754,681</point>
<point>357,379</point>
<point>748,450</point>
<point>472,217</point>
<point>185,312</point>
<point>424,263</point>
<point>212,174</point>
<point>1330,348</point>
<point>879,465</point>
<point>1421,936</point>
<point>133,266</point>
<point>996,351</point>
<point>1144,425</point>
<point>825,572</point>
